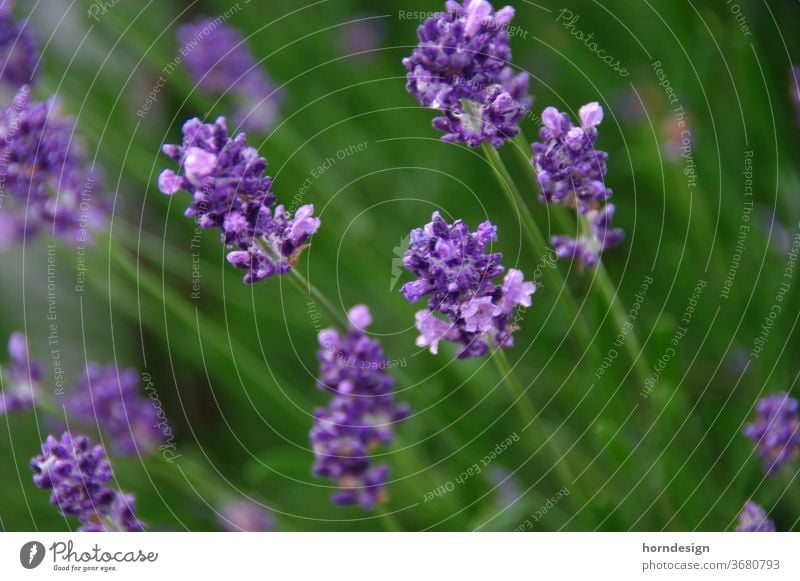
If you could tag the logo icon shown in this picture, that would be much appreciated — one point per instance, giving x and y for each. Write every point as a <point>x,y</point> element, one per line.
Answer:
<point>31,554</point>
<point>397,261</point>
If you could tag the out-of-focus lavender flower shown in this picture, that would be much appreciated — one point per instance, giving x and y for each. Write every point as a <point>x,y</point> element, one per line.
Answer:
<point>507,486</point>
<point>109,398</point>
<point>776,431</point>
<point>44,174</point>
<point>588,247</point>
<point>362,37</point>
<point>753,519</point>
<point>457,274</point>
<point>569,169</point>
<point>461,67</point>
<point>230,191</point>
<point>21,378</point>
<point>794,81</point>
<point>220,62</point>
<point>678,136</point>
<point>780,237</point>
<point>19,49</point>
<point>77,474</point>
<point>361,415</point>
<point>244,515</point>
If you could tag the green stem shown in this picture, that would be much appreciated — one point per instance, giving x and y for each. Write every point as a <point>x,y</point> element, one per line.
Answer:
<point>529,412</point>
<point>619,317</point>
<point>537,241</point>
<point>388,520</point>
<point>309,290</point>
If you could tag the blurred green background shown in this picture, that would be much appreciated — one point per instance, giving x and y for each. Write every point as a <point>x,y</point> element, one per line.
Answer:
<point>235,367</point>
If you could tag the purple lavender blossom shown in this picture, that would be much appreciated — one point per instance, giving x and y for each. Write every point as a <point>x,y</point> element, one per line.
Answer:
<point>461,67</point>
<point>776,431</point>
<point>220,63</point>
<point>45,174</point>
<point>109,398</point>
<point>588,247</point>
<point>569,169</point>
<point>19,49</point>
<point>795,89</point>
<point>363,37</point>
<point>361,415</point>
<point>230,192</point>
<point>21,378</point>
<point>753,519</point>
<point>244,515</point>
<point>457,274</point>
<point>78,475</point>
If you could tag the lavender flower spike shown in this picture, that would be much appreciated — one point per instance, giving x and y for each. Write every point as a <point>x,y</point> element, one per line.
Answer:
<point>361,414</point>
<point>220,63</point>
<point>569,169</point>
<point>753,519</point>
<point>230,191</point>
<point>776,431</point>
<point>77,474</point>
<point>19,49</point>
<point>109,398</point>
<point>22,378</point>
<point>457,274</point>
<point>461,67</point>
<point>43,170</point>
<point>588,247</point>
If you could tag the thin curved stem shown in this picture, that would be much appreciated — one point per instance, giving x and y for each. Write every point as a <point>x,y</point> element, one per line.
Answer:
<point>537,242</point>
<point>388,520</point>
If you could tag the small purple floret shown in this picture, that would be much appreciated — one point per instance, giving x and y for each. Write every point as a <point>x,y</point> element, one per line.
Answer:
<point>109,398</point>
<point>361,415</point>
<point>231,192</point>
<point>754,519</point>
<point>77,474</point>
<point>457,274</point>
<point>22,377</point>
<point>461,67</point>
<point>221,64</point>
<point>776,431</point>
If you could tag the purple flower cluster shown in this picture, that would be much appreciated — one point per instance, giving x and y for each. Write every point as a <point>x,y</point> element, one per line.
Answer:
<point>457,274</point>
<point>78,475</point>
<point>776,431</point>
<point>44,173</point>
<point>21,378</point>
<point>588,247</point>
<point>753,519</point>
<point>461,67</point>
<point>230,191</point>
<point>571,173</point>
<point>361,414</point>
<point>109,398</point>
<point>19,49</point>
<point>244,515</point>
<point>795,89</point>
<point>220,63</point>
